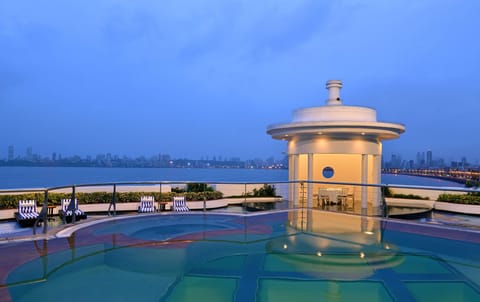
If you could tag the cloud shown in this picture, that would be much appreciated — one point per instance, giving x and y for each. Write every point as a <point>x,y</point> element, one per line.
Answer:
<point>100,68</point>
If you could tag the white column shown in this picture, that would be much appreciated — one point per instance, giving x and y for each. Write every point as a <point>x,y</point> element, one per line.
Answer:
<point>294,190</point>
<point>377,162</point>
<point>310,178</point>
<point>364,181</point>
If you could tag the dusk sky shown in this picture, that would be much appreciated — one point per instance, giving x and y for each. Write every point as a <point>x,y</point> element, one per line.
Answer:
<point>205,78</point>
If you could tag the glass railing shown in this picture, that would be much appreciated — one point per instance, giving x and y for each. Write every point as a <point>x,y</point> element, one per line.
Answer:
<point>111,199</point>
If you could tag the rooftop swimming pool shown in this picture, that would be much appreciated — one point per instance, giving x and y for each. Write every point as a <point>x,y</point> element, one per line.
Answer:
<point>296,255</point>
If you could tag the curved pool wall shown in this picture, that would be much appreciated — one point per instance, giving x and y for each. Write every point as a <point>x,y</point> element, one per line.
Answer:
<point>299,255</point>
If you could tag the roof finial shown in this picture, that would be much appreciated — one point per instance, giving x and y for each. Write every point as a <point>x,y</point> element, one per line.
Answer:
<point>334,87</point>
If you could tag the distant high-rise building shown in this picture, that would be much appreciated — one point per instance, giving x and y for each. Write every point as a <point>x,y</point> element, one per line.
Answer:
<point>411,164</point>
<point>429,158</point>
<point>11,154</point>
<point>54,156</point>
<point>395,161</point>
<point>420,159</point>
<point>29,153</point>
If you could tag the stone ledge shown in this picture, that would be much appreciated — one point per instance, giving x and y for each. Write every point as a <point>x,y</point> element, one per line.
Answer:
<point>416,203</point>
<point>469,209</point>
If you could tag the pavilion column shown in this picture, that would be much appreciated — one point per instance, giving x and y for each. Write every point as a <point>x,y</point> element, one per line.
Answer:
<point>377,196</point>
<point>310,178</point>
<point>294,186</point>
<point>364,181</point>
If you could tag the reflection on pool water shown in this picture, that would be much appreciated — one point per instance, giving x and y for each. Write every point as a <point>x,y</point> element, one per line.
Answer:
<point>281,256</point>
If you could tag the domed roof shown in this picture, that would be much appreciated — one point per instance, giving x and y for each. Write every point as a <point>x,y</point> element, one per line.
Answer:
<point>335,119</point>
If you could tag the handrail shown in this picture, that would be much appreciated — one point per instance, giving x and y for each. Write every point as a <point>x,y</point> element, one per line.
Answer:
<point>127,183</point>
<point>112,205</point>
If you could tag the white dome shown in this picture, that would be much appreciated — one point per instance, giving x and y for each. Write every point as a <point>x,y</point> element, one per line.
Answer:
<point>337,113</point>
<point>335,120</point>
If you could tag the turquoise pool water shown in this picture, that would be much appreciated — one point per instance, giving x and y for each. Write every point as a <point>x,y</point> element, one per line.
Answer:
<point>282,256</point>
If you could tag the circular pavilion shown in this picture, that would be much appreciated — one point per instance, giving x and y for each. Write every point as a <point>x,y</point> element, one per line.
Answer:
<point>335,144</point>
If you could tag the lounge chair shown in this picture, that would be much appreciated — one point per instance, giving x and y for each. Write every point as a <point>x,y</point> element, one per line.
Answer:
<point>27,213</point>
<point>180,204</point>
<point>147,204</point>
<point>66,212</point>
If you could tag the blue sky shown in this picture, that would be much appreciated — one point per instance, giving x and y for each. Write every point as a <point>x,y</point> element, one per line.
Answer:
<point>203,78</point>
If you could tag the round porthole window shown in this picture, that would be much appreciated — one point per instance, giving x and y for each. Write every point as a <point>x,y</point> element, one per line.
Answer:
<point>328,172</point>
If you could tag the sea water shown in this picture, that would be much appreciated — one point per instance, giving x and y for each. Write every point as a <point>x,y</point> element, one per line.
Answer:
<point>41,177</point>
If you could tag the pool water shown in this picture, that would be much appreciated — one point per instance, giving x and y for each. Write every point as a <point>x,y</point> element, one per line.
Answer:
<point>453,220</point>
<point>281,256</point>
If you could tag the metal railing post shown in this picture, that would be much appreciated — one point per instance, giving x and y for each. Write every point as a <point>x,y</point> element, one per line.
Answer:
<point>245,198</point>
<point>384,202</point>
<point>160,199</point>
<point>302,194</point>
<point>205,197</point>
<point>45,212</point>
<point>113,202</point>
<point>43,215</point>
<point>71,207</point>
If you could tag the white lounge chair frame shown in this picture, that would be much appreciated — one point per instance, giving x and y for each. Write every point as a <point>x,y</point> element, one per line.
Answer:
<point>147,204</point>
<point>180,204</point>
<point>27,212</point>
<point>68,212</point>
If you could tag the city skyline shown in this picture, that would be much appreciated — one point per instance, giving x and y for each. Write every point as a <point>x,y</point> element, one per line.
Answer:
<point>158,160</point>
<point>423,159</point>
<point>193,78</point>
<point>28,153</point>
<point>426,160</point>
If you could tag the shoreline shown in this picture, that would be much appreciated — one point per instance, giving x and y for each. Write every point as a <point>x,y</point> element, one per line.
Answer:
<point>450,179</point>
